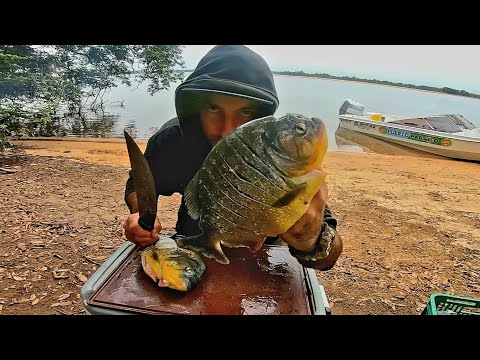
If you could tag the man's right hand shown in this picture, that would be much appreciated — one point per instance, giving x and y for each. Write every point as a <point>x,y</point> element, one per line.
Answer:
<point>138,235</point>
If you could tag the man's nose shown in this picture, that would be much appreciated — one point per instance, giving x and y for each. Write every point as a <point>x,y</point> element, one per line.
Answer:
<point>228,125</point>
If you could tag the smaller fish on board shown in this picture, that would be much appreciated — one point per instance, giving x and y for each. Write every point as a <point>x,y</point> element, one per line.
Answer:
<point>171,266</point>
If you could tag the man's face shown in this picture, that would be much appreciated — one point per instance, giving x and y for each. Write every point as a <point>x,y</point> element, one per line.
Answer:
<point>221,114</point>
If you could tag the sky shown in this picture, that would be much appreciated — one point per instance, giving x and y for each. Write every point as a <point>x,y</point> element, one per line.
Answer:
<point>454,66</point>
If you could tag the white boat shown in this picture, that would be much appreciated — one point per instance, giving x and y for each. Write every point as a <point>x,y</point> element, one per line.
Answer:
<point>448,135</point>
<point>354,141</point>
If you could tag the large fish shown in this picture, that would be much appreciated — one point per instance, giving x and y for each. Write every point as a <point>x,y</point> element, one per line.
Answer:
<point>256,182</point>
<point>171,266</point>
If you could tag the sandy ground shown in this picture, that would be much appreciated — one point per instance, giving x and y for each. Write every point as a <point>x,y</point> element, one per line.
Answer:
<point>411,226</point>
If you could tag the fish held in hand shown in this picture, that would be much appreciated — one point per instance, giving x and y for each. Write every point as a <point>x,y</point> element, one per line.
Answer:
<point>256,182</point>
<point>171,266</point>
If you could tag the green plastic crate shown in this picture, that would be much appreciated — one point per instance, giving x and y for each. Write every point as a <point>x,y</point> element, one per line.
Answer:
<point>445,304</point>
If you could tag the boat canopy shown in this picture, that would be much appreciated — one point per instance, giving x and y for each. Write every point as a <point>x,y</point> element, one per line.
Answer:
<point>452,123</point>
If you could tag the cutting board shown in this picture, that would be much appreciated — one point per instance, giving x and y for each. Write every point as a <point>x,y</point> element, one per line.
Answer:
<point>267,282</point>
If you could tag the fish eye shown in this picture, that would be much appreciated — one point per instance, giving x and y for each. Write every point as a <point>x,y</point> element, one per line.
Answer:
<point>300,128</point>
<point>188,270</point>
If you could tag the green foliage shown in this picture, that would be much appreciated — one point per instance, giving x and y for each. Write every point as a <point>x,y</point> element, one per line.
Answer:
<point>156,70</point>
<point>4,142</point>
<point>39,85</point>
<point>36,120</point>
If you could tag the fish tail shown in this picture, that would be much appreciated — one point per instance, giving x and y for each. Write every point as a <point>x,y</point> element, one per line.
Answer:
<point>207,246</point>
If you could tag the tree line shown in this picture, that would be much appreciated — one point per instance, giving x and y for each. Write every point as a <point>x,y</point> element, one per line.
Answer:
<point>445,90</point>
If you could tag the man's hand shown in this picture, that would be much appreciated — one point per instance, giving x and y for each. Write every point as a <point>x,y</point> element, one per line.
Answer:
<point>138,235</point>
<point>304,233</point>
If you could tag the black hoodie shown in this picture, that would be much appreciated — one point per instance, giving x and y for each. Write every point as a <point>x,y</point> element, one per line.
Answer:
<point>231,70</point>
<point>178,149</point>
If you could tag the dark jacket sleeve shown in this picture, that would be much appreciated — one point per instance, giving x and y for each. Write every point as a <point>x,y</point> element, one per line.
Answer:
<point>328,217</point>
<point>154,147</point>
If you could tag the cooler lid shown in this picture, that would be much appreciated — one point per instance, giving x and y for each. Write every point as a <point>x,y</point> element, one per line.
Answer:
<point>270,281</point>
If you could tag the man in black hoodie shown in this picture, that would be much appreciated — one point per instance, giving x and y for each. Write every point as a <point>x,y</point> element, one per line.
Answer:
<point>231,85</point>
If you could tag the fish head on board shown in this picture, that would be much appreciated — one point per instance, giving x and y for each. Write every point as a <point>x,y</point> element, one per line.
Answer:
<point>173,267</point>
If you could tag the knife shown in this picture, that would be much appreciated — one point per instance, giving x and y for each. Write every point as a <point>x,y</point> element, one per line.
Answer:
<point>144,184</point>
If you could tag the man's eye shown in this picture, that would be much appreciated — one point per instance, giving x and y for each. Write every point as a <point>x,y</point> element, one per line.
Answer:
<point>247,112</point>
<point>212,107</point>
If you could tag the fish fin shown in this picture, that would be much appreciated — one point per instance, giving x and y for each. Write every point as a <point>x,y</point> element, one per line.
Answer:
<point>162,283</point>
<point>290,196</point>
<point>191,198</point>
<point>253,244</point>
<point>313,180</point>
<point>260,241</point>
<point>208,246</point>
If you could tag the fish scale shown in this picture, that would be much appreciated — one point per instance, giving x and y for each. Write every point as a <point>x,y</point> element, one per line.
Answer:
<point>222,215</point>
<point>251,195</point>
<point>245,205</point>
<point>252,159</point>
<point>244,184</point>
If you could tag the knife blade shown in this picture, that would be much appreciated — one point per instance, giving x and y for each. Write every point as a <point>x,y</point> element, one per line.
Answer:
<point>144,184</point>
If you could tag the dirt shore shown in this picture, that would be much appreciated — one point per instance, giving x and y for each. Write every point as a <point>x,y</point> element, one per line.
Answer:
<point>411,226</point>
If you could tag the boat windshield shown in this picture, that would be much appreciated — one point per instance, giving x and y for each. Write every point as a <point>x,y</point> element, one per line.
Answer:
<point>443,123</point>
<point>461,121</point>
<point>416,122</point>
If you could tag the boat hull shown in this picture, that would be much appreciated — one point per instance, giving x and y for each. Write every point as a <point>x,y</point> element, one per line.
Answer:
<point>438,144</point>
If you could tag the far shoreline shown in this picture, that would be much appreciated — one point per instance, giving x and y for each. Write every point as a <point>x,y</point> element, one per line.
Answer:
<point>375,84</point>
<point>366,83</point>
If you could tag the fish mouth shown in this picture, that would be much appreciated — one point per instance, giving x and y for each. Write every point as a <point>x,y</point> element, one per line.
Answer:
<point>190,282</point>
<point>183,285</point>
<point>289,165</point>
<point>279,153</point>
<point>183,282</point>
<point>175,280</point>
<point>299,150</point>
<point>182,274</point>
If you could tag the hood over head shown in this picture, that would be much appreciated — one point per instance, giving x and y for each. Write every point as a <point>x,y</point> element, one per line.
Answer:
<point>231,70</point>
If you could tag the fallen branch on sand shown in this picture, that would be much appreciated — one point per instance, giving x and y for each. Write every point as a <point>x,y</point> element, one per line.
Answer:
<point>7,171</point>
